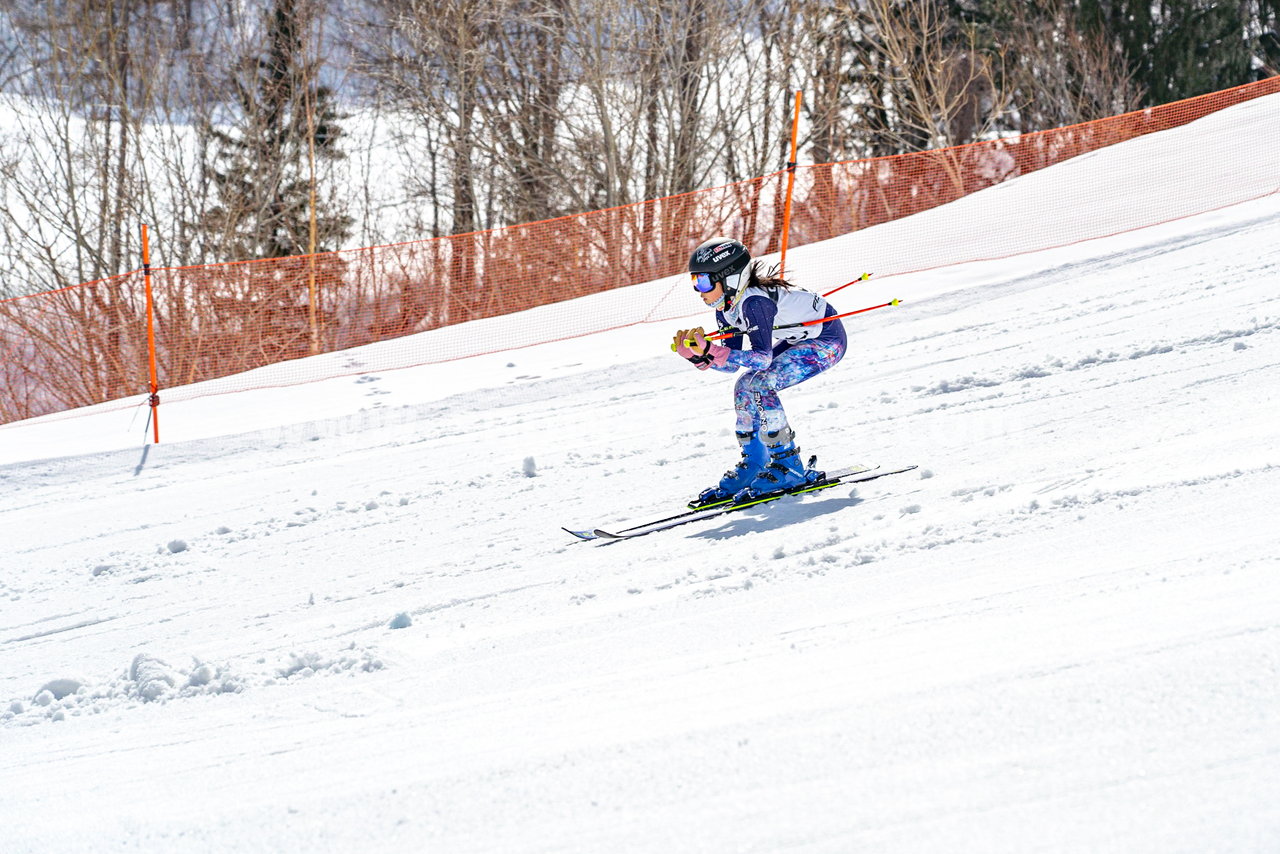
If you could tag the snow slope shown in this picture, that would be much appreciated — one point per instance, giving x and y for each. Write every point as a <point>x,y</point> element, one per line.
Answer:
<point>344,617</point>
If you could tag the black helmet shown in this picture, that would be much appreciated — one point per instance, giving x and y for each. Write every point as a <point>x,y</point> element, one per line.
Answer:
<point>723,260</point>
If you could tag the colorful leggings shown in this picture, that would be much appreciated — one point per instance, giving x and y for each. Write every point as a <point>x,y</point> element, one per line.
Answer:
<point>755,394</point>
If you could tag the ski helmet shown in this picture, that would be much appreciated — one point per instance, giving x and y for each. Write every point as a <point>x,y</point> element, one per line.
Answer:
<point>720,260</point>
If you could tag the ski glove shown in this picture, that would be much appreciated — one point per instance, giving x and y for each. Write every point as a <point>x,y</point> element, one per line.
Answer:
<point>692,344</point>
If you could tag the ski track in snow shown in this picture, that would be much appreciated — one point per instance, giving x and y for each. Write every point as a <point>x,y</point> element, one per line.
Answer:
<point>1059,634</point>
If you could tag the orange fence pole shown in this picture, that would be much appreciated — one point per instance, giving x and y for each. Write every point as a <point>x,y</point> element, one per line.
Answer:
<point>311,232</point>
<point>151,336</point>
<point>791,184</point>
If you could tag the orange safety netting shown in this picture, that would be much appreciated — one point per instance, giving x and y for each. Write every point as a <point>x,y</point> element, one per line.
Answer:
<point>87,344</point>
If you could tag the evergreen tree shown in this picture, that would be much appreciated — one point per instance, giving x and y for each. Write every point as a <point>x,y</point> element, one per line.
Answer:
<point>1264,38</point>
<point>1177,48</point>
<point>262,169</point>
<point>1202,48</point>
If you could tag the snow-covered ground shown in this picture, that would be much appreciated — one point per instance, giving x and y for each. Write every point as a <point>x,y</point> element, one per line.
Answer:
<point>343,616</point>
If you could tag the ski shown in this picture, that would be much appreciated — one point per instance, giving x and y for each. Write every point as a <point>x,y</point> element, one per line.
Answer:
<point>858,474</point>
<point>845,476</point>
<point>590,533</point>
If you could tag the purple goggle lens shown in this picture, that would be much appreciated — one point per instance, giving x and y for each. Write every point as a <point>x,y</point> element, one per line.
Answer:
<point>702,283</point>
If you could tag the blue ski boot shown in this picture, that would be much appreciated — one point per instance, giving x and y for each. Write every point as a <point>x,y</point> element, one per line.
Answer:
<point>784,471</point>
<point>754,457</point>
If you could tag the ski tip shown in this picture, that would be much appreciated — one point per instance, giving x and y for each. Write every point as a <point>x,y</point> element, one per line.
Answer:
<point>582,535</point>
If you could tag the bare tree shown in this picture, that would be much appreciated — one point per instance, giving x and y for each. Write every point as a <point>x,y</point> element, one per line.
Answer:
<point>108,101</point>
<point>430,55</point>
<point>87,91</point>
<point>604,109</point>
<point>939,84</point>
<point>527,76</point>
<point>704,85</point>
<point>69,184</point>
<point>1062,73</point>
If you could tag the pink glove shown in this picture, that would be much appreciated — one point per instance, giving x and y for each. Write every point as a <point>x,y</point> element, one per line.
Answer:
<point>703,353</point>
<point>682,348</point>
<point>719,356</point>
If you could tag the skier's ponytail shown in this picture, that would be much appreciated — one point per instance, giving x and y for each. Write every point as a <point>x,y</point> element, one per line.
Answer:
<point>770,280</point>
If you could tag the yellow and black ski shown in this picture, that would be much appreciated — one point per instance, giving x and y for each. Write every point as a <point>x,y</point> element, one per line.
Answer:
<point>856,474</point>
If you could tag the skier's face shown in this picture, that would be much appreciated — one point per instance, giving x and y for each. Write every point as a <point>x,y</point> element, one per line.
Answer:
<point>713,296</point>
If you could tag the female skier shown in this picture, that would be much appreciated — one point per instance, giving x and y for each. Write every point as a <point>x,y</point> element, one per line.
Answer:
<point>781,353</point>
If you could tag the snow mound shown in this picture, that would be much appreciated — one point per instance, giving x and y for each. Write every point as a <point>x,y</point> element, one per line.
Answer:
<point>59,688</point>
<point>148,679</point>
<point>352,660</point>
<point>151,677</point>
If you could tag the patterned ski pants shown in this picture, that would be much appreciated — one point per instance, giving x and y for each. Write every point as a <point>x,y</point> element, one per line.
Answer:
<point>755,394</point>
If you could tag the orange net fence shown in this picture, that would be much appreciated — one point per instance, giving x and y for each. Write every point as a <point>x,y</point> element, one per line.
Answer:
<point>87,344</point>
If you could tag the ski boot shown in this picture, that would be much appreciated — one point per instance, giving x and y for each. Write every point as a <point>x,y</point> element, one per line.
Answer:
<point>754,457</point>
<point>784,470</point>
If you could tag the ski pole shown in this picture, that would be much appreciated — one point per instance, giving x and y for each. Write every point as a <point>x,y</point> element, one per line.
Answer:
<point>861,278</point>
<point>723,334</point>
<point>720,336</point>
<point>893,302</point>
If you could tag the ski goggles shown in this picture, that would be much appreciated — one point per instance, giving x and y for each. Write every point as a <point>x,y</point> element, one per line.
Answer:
<point>702,283</point>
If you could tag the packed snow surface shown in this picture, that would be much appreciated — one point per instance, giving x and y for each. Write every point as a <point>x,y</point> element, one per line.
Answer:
<point>344,617</point>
